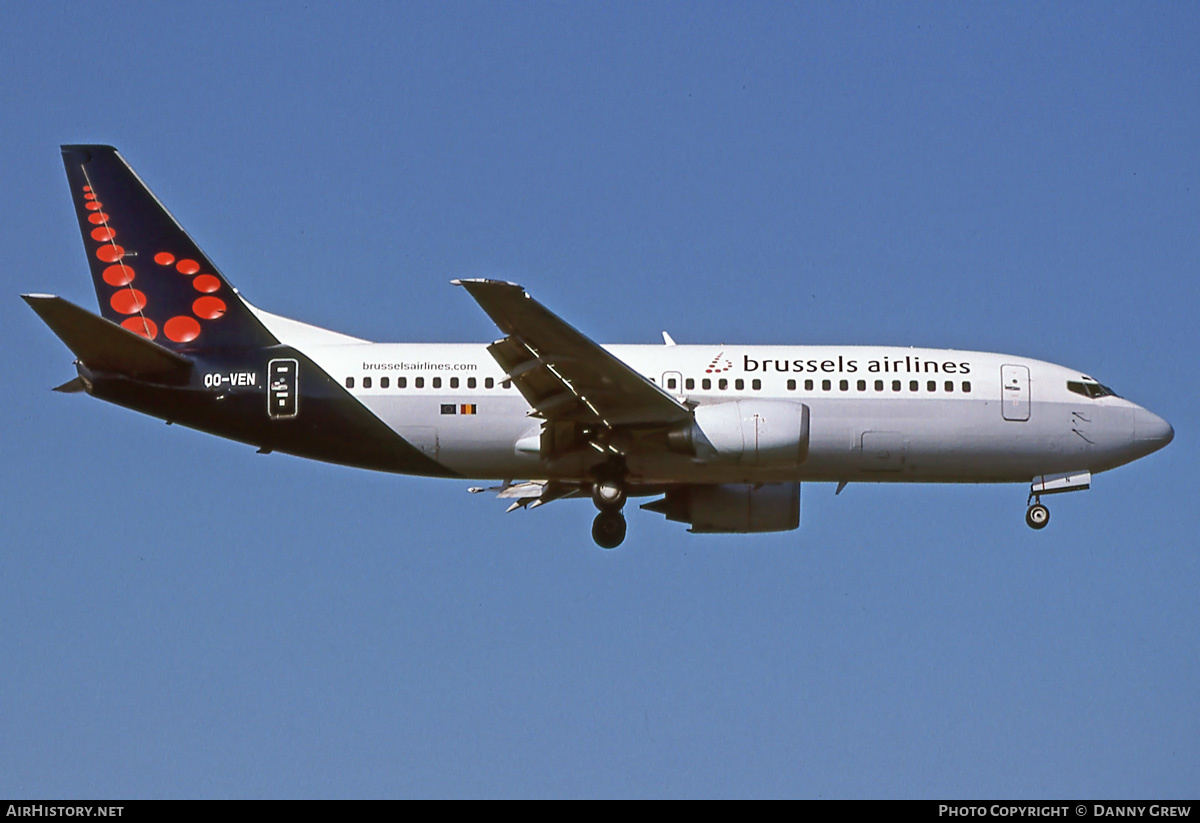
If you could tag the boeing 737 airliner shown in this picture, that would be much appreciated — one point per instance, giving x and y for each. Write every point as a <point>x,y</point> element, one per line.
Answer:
<point>722,436</point>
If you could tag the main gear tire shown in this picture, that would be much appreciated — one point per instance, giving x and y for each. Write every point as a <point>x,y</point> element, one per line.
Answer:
<point>608,529</point>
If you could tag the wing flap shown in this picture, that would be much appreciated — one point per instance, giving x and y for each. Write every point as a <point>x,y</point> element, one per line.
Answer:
<point>531,494</point>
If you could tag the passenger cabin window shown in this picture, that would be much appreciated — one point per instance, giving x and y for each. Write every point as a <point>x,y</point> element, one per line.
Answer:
<point>844,385</point>
<point>506,384</point>
<point>454,382</point>
<point>489,383</point>
<point>401,382</point>
<point>913,385</point>
<point>690,383</point>
<point>878,385</point>
<point>967,386</point>
<point>437,382</point>
<point>895,385</point>
<point>349,382</point>
<point>723,384</point>
<point>949,385</point>
<point>671,382</point>
<point>791,384</point>
<point>706,384</point>
<point>419,382</point>
<point>808,385</point>
<point>470,382</point>
<point>826,385</point>
<point>384,382</point>
<point>756,384</point>
<point>932,385</point>
<point>739,384</point>
<point>862,385</point>
<point>366,382</point>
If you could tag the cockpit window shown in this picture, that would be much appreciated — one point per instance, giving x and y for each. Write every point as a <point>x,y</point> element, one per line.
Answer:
<point>1090,389</point>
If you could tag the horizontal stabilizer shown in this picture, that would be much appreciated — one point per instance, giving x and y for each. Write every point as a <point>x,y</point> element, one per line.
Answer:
<point>103,346</point>
<point>72,386</point>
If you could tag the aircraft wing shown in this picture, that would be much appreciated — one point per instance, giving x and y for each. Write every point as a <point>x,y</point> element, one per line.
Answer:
<point>565,376</point>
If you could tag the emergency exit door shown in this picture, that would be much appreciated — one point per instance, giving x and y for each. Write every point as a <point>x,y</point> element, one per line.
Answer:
<point>672,381</point>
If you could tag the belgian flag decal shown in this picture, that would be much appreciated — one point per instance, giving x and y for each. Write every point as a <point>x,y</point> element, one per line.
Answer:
<point>468,408</point>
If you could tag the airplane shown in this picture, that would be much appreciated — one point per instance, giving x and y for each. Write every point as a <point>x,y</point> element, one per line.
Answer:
<point>721,436</point>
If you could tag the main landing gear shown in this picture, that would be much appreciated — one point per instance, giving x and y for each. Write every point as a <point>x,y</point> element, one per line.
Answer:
<point>608,529</point>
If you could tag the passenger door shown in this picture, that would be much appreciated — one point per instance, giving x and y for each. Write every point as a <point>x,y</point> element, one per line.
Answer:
<point>1014,392</point>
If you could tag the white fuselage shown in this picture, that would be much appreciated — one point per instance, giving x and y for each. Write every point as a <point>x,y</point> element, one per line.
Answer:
<point>876,414</point>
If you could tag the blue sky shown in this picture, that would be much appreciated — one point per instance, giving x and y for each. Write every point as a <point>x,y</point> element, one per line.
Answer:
<point>184,618</point>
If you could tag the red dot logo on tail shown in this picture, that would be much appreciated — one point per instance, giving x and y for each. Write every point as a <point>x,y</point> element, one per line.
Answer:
<point>206,283</point>
<point>182,329</point>
<point>208,308</point>
<point>128,301</point>
<point>141,325</point>
<point>118,275</point>
<point>111,253</point>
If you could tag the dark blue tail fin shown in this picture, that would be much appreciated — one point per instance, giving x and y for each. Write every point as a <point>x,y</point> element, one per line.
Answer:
<point>150,276</point>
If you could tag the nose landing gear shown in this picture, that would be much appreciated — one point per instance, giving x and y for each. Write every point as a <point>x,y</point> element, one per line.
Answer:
<point>1037,515</point>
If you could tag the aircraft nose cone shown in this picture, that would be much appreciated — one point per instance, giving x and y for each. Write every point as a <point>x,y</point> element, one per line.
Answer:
<point>1152,430</point>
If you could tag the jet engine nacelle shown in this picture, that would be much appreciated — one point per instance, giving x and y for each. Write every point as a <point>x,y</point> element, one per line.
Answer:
<point>749,432</point>
<point>738,508</point>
